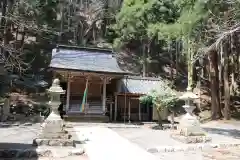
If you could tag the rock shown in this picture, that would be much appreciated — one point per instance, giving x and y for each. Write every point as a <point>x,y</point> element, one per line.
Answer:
<point>191,139</point>
<point>27,124</point>
<point>76,152</point>
<point>36,142</point>
<point>68,143</point>
<point>153,150</point>
<point>55,143</point>
<point>40,142</point>
<point>44,153</point>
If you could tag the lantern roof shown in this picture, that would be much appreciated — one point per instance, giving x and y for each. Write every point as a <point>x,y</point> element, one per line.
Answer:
<point>55,88</point>
<point>188,95</point>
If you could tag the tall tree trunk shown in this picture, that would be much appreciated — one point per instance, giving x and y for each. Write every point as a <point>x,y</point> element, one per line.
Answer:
<point>220,78</point>
<point>3,22</point>
<point>159,117</point>
<point>144,60</point>
<point>226,83</point>
<point>62,22</point>
<point>213,75</point>
<point>105,19</point>
<point>177,52</point>
<point>3,18</point>
<point>172,60</point>
<point>190,65</point>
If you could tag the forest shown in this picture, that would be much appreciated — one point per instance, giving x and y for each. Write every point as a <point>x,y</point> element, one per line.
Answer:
<point>192,43</point>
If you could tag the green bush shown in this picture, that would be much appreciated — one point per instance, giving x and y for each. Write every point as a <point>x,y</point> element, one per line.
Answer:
<point>162,97</point>
<point>44,109</point>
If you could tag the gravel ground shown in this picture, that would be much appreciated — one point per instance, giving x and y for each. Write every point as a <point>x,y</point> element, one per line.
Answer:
<point>210,154</point>
<point>147,138</point>
<point>221,133</point>
<point>22,136</point>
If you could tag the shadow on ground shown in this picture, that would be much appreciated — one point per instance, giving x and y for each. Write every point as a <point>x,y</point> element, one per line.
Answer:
<point>16,123</point>
<point>226,132</point>
<point>18,151</point>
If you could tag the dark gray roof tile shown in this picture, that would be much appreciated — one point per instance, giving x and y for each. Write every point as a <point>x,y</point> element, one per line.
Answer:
<point>91,60</point>
<point>141,85</point>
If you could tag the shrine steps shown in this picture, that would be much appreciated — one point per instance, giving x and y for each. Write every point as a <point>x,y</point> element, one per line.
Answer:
<point>82,117</point>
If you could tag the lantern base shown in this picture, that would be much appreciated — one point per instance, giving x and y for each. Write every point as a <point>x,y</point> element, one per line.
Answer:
<point>52,125</point>
<point>190,131</point>
<point>53,133</point>
<point>190,125</point>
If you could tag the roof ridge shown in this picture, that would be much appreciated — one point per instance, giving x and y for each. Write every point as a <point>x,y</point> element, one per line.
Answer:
<point>144,78</point>
<point>84,48</point>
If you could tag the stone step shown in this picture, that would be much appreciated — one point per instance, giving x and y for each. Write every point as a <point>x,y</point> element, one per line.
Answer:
<point>81,117</point>
<point>46,151</point>
<point>90,107</point>
<point>99,112</point>
<point>53,142</point>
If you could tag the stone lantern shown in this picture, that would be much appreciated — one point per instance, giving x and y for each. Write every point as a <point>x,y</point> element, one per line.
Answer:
<point>55,92</point>
<point>53,132</point>
<point>54,123</point>
<point>189,130</point>
<point>189,123</point>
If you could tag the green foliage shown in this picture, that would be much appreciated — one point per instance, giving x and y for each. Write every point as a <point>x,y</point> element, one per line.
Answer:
<point>43,109</point>
<point>135,16</point>
<point>191,14</point>
<point>164,96</point>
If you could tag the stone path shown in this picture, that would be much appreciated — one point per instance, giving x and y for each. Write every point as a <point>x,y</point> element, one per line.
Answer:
<point>222,154</point>
<point>209,154</point>
<point>105,144</point>
<point>18,136</point>
<point>127,141</point>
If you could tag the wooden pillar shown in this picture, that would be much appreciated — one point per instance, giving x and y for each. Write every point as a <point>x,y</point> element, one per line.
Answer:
<point>111,111</point>
<point>104,95</point>
<point>115,107</point>
<point>129,110</point>
<point>68,93</point>
<point>139,111</point>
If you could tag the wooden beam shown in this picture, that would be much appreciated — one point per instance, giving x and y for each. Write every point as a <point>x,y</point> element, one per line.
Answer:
<point>130,94</point>
<point>135,98</point>
<point>129,110</point>
<point>104,96</point>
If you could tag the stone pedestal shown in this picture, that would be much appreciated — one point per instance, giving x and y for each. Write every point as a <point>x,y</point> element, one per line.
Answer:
<point>53,125</point>
<point>189,124</point>
<point>53,132</point>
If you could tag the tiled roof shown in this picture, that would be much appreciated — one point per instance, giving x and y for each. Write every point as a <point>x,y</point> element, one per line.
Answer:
<point>141,85</point>
<point>85,59</point>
